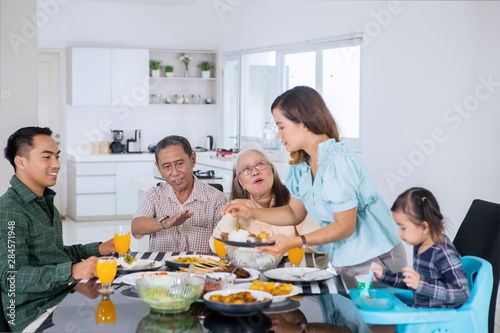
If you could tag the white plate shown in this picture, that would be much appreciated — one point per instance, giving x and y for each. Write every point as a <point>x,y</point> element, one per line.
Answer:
<point>141,266</point>
<point>276,299</point>
<point>254,275</point>
<point>292,274</point>
<point>131,278</point>
<point>232,309</point>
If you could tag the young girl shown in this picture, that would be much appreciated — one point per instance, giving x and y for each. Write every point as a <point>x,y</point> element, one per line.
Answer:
<point>437,278</point>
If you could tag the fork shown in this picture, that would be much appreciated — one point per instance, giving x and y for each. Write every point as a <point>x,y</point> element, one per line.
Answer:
<point>364,292</point>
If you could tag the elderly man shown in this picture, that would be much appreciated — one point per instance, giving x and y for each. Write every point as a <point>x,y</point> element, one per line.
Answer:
<point>181,214</point>
<point>36,269</point>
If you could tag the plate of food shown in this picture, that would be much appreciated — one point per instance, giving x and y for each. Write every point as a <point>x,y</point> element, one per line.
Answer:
<point>236,302</point>
<point>242,274</point>
<point>243,238</point>
<point>131,278</point>
<point>298,274</point>
<point>280,291</point>
<point>130,264</point>
<point>176,262</point>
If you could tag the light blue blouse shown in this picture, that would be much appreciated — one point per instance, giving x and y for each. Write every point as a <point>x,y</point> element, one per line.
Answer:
<point>342,183</point>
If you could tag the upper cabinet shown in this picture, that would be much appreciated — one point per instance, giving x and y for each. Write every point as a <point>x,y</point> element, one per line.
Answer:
<point>184,86</point>
<point>105,76</point>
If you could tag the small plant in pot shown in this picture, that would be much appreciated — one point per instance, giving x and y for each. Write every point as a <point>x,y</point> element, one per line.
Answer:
<point>205,69</point>
<point>169,71</point>
<point>155,67</point>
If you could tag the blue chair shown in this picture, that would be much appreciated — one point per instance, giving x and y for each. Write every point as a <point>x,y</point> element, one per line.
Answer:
<point>470,317</point>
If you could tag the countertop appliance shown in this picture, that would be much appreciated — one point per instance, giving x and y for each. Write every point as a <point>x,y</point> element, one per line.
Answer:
<point>135,145</point>
<point>116,146</point>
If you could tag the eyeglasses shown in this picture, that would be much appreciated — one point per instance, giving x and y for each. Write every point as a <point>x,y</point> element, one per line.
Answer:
<point>248,169</point>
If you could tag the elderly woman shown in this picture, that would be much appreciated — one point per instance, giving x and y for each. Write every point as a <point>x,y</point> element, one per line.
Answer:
<point>256,184</point>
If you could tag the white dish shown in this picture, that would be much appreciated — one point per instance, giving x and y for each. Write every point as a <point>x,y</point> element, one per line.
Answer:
<point>232,309</point>
<point>141,265</point>
<point>276,299</point>
<point>131,278</point>
<point>254,275</point>
<point>293,274</point>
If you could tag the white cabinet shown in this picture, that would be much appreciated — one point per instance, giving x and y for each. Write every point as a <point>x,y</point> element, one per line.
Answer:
<point>102,190</point>
<point>104,76</point>
<point>126,194</point>
<point>180,84</point>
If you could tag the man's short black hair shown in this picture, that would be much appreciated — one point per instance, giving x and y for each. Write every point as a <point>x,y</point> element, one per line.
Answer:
<point>173,140</point>
<point>21,142</point>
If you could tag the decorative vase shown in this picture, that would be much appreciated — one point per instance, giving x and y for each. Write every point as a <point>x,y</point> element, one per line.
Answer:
<point>169,74</point>
<point>186,73</point>
<point>155,73</point>
<point>205,74</point>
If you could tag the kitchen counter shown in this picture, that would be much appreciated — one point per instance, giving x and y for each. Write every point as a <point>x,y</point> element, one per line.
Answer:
<point>130,157</point>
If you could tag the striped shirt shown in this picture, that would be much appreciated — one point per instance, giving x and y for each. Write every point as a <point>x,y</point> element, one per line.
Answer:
<point>443,283</point>
<point>205,202</point>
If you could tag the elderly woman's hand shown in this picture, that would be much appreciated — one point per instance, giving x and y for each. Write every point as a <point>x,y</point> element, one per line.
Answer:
<point>282,245</point>
<point>238,210</point>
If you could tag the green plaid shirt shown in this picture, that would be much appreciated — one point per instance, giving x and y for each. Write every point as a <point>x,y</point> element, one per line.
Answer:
<point>35,266</point>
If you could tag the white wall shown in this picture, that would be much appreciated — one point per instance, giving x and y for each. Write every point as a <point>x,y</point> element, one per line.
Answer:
<point>18,67</point>
<point>416,64</point>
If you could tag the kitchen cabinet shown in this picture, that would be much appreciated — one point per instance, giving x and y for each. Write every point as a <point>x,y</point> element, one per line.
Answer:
<point>168,87</point>
<point>102,190</point>
<point>106,76</point>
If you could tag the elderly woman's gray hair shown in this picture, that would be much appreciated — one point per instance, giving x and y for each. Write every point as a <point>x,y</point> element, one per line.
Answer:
<point>281,193</point>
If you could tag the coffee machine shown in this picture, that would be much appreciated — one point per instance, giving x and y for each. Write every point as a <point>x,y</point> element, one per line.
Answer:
<point>135,145</point>
<point>116,146</point>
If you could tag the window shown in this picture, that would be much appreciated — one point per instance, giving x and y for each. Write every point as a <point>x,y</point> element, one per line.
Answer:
<point>332,68</point>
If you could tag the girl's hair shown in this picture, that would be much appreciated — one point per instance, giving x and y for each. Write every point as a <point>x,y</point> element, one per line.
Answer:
<point>305,105</point>
<point>281,193</point>
<point>420,205</point>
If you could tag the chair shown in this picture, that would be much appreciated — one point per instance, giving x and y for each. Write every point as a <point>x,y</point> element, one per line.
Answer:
<point>217,186</point>
<point>470,317</point>
<point>479,236</point>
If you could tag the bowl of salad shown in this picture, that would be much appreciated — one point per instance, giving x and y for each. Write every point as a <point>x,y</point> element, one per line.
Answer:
<point>172,293</point>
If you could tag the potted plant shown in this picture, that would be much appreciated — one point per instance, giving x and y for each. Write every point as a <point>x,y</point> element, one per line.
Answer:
<point>205,69</point>
<point>169,71</point>
<point>155,67</point>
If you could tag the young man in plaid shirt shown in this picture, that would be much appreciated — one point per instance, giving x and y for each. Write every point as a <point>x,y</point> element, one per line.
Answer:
<point>35,267</point>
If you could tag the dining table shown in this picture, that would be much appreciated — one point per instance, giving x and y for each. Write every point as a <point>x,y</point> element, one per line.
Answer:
<point>321,306</point>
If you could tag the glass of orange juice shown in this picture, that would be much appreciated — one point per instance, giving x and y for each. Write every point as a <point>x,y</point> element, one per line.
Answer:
<point>122,240</point>
<point>295,256</point>
<point>219,248</point>
<point>106,272</point>
<point>106,312</point>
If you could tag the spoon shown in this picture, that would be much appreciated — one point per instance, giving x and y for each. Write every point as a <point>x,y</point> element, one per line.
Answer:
<point>364,293</point>
<point>191,266</point>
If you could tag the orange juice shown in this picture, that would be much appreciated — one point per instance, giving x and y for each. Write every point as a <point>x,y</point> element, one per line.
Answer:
<point>295,255</point>
<point>106,270</point>
<point>219,248</point>
<point>106,312</point>
<point>122,243</point>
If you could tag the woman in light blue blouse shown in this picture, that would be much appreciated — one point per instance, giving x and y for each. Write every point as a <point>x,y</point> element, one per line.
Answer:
<point>330,182</point>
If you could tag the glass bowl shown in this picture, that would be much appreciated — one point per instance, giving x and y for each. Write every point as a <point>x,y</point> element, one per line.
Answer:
<point>172,293</point>
<point>251,258</point>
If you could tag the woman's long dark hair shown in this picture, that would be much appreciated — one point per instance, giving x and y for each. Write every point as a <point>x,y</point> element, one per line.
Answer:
<point>279,190</point>
<point>305,105</point>
<point>420,205</point>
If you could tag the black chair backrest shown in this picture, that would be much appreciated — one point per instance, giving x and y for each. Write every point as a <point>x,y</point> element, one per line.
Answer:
<point>479,235</point>
<point>217,186</point>
<point>4,326</point>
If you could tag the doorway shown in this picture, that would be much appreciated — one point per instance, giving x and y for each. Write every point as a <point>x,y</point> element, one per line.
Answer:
<point>50,115</point>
